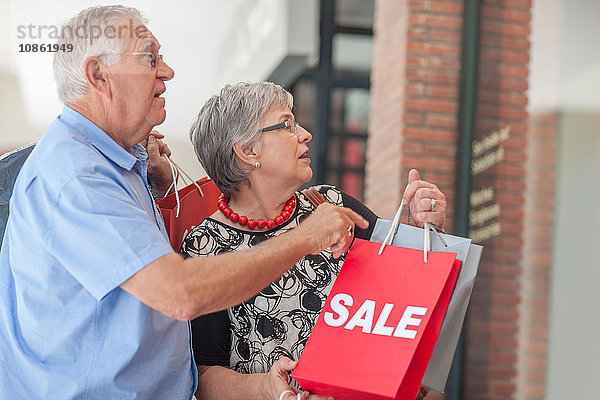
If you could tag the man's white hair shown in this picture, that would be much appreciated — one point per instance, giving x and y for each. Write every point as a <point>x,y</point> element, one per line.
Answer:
<point>96,31</point>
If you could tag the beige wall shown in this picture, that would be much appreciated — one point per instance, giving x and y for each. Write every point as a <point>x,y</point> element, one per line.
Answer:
<point>207,43</point>
<point>15,128</point>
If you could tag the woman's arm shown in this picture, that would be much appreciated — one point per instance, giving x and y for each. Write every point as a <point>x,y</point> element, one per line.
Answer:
<point>426,201</point>
<point>364,212</point>
<point>220,383</point>
<point>211,339</point>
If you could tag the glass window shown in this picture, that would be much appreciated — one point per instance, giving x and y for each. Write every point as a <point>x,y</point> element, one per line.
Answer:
<point>352,183</point>
<point>354,13</point>
<point>304,93</point>
<point>354,153</point>
<point>349,110</point>
<point>342,132</point>
<point>352,54</point>
<point>348,121</point>
<point>564,141</point>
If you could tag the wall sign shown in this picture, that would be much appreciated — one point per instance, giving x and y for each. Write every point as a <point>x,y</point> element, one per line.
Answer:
<point>484,213</point>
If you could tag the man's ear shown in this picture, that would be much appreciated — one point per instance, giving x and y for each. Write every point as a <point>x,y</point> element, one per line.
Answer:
<point>246,154</point>
<point>97,76</point>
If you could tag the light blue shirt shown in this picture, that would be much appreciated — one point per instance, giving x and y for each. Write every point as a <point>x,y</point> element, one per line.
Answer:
<point>82,221</point>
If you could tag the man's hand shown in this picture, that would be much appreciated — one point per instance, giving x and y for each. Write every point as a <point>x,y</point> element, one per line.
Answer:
<point>331,226</point>
<point>159,170</point>
<point>276,383</point>
<point>427,203</point>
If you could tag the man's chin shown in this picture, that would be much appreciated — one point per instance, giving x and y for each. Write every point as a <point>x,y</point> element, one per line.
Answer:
<point>161,116</point>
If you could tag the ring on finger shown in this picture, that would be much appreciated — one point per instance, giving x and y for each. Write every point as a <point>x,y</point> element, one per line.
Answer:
<point>432,204</point>
<point>350,230</point>
<point>284,393</point>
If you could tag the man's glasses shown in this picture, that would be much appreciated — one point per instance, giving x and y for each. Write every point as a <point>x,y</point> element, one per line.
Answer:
<point>290,124</point>
<point>152,56</point>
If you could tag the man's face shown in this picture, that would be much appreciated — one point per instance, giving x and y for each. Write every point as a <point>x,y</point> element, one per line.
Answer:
<point>136,87</point>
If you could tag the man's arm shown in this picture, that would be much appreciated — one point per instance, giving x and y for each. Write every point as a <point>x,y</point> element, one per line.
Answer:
<point>186,289</point>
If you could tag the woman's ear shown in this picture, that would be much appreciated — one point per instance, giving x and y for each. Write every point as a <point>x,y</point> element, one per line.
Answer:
<point>98,76</point>
<point>247,154</point>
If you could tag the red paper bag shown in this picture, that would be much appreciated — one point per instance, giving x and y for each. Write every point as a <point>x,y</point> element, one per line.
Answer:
<point>376,333</point>
<point>193,208</point>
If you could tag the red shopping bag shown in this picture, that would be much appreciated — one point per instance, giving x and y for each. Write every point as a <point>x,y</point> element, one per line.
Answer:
<point>193,208</point>
<point>376,333</point>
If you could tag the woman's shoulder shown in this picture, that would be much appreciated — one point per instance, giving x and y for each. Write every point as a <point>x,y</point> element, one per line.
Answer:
<point>202,239</point>
<point>331,193</point>
<point>212,237</point>
<point>201,229</point>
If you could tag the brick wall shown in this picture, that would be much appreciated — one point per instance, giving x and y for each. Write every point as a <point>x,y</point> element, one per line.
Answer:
<point>387,108</point>
<point>414,125</point>
<point>414,100</point>
<point>415,78</point>
<point>493,328</point>
<point>539,201</point>
<point>535,291</point>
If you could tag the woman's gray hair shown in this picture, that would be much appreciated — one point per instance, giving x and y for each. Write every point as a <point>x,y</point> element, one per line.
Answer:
<point>95,31</point>
<point>233,116</point>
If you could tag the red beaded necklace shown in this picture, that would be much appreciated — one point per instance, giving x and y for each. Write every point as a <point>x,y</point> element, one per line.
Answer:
<point>261,223</point>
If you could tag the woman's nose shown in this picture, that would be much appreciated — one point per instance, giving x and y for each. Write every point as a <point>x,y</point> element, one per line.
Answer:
<point>303,135</point>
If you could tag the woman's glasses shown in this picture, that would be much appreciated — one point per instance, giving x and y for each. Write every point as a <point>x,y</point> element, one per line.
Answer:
<point>290,124</point>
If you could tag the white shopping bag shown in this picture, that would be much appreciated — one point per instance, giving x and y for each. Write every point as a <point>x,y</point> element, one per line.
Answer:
<point>470,254</point>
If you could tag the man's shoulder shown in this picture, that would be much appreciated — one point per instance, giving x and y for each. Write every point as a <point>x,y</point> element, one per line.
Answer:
<point>60,157</point>
<point>63,149</point>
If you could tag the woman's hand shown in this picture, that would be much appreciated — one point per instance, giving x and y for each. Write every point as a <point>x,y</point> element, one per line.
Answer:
<point>423,392</point>
<point>277,380</point>
<point>277,383</point>
<point>427,203</point>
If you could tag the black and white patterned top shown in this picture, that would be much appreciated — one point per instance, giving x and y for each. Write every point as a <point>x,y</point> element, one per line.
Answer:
<point>276,322</point>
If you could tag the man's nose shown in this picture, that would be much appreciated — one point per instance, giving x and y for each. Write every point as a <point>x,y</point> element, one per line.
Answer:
<point>165,72</point>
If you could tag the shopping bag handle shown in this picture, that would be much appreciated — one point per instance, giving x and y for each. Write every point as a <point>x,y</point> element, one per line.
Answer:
<point>316,199</point>
<point>174,169</point>
<point>428,227</point>
<point>393,229</point>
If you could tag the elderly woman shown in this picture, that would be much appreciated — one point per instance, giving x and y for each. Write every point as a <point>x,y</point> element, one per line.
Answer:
<point>252,147</point>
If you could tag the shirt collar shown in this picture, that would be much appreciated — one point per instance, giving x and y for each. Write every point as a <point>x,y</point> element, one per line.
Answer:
<point>101,141</point>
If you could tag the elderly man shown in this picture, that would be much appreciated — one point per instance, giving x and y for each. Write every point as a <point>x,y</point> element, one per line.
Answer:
<point>92,297</point>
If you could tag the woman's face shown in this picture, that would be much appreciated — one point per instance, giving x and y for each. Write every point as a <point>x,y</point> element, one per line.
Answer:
<point>283,154</point>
